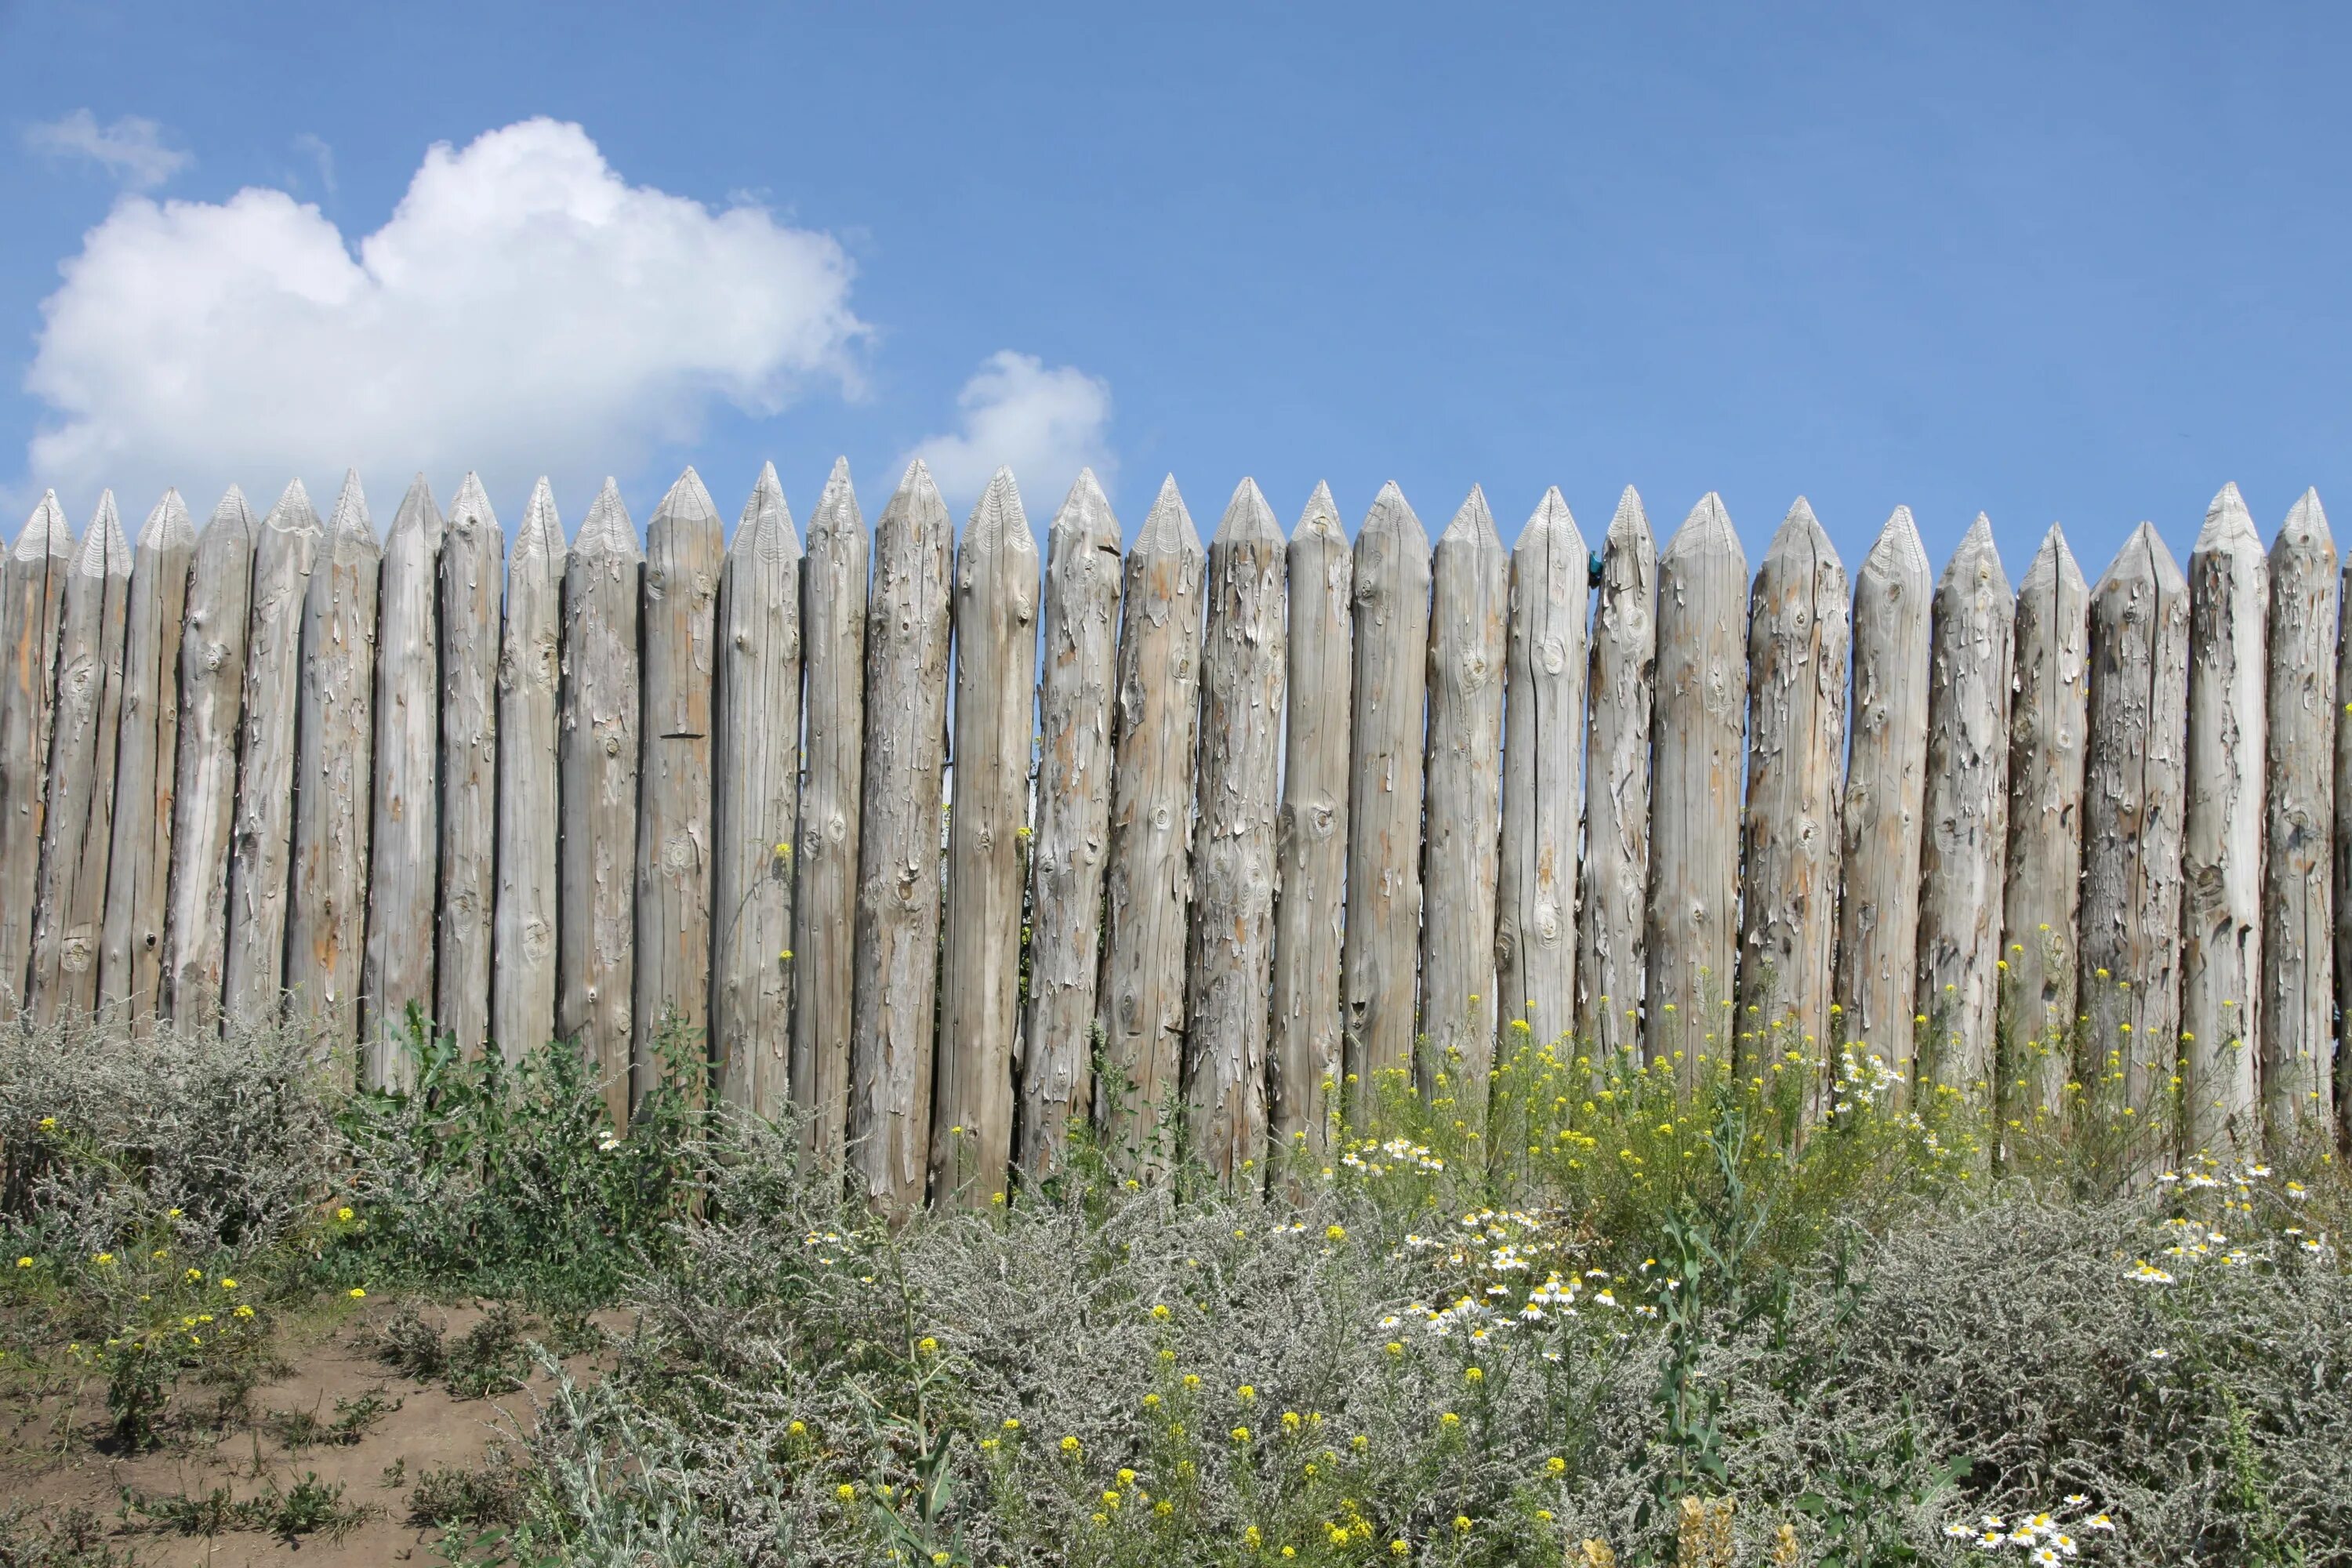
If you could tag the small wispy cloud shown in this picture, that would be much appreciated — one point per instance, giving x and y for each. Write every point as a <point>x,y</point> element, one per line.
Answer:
<point>1044,422</point>
<point>313,146</point>
<point>130,149</point>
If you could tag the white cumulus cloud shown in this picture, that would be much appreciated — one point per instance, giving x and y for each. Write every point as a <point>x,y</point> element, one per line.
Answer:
<point>524,310</point>
<point>1046,423</point>
<point>130,149</point>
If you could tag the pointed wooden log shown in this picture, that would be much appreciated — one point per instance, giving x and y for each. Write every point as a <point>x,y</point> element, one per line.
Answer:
<point>2049,715</point>
<point>139,865</point>
<point>1380,959</point>
<point>1310,910</point>
<point>1469,622</point>
<point>1543,774</point>
<point>2342,883</point>
<point>2222,842</point>
<point>1244,674</point>
<point>825,895</point>
<point>2298,1012</point>
<point>995,612</point>
<point>2135,797</point>
<point>1967,834</point>
<point>203,806</point>
<point>1696,757</point>
<point>524,941</point>
<point>76,837</point>
<point>685,552</point>
<point>596,771</point>
<point>1799,635</point>
<point>1613,917</point>
<point>404,837</point>
<point>326,915</point>
<point>1884,813</point>
<point>260,874</point>
<point>473,553</point>
<point>893,1025</point>
<point>1070,848</point>
<point>34,581</point>
<point>756,769</point>
<point>1150,878</point>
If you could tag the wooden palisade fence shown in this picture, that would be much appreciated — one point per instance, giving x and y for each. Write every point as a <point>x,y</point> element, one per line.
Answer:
<point>1224,841</point>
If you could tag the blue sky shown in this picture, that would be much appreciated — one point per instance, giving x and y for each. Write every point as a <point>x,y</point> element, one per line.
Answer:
<point>2081,263</point>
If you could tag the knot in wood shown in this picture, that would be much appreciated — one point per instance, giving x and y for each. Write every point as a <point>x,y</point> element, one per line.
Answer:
<point>1552,654</point>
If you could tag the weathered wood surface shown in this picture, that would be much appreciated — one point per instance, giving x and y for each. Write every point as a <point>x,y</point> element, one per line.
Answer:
<point>1696,757</point>
<point>285,546</point>
<point>1884,813</point>
<point>139,865</point>
<point>1379,958</point>
<point>76,840</point>
<point>756,777</point>
<point>824,893</point>
<point>2298,1020</point>
<point>473,557</point>
<point>1069,850</point>
<point>404,835</point>
<point>33,579</point>
<point>596,773</point>
<point>2049,713</point>
<point>203,806</point>
<point>1799,633</point>
<point>994,604</point>
<point>685,552</point>
<point>1469,640</point>
<point>2222,841</point>
<point>523,943</point>
<point>1543,774</point>
<point>2342,888</point>
<point>1310,912</point>
<point>1613,910</point>
<point>899,852</point>
<point>326,915</point>
<point>1150,878</point>
<point>1245,670</point>
<point>1967,832</point>
<point>2135,797</point>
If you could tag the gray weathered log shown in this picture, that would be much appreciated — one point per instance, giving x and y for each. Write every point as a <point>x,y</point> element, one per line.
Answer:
<point>2298,1012</point>
<point>1149,877</point>
<point>326,913</point>
<point>1310,910</point>
<point>34,577</point>
<point>685,552</point>
<point>76,837</point>
<point>1613,907</point>
<point>203,806</point>
<point>524,938</point>
<point>260,875</point>
<point>1697,758</point>
<point>1799,635</point>
<point>404,835</point>
<point>824,893</point>
<point>473,557</point>
<point>755,760</point>
<point>1967,833</point>
<point>596,770</point>
<point>892,1026</point>
<point>2135,797</point>
<point>1379,958</point>
<point>1469,639</point>
<point>1244,674</point>
<point>2221,839</point>
<point>1543,774</point>
<point>995,612</point>
<point>1070,847</point>
<point>2342,887</point>
<point>139,867</point>
<point>2049,713</point>
<point>1885,807</point>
